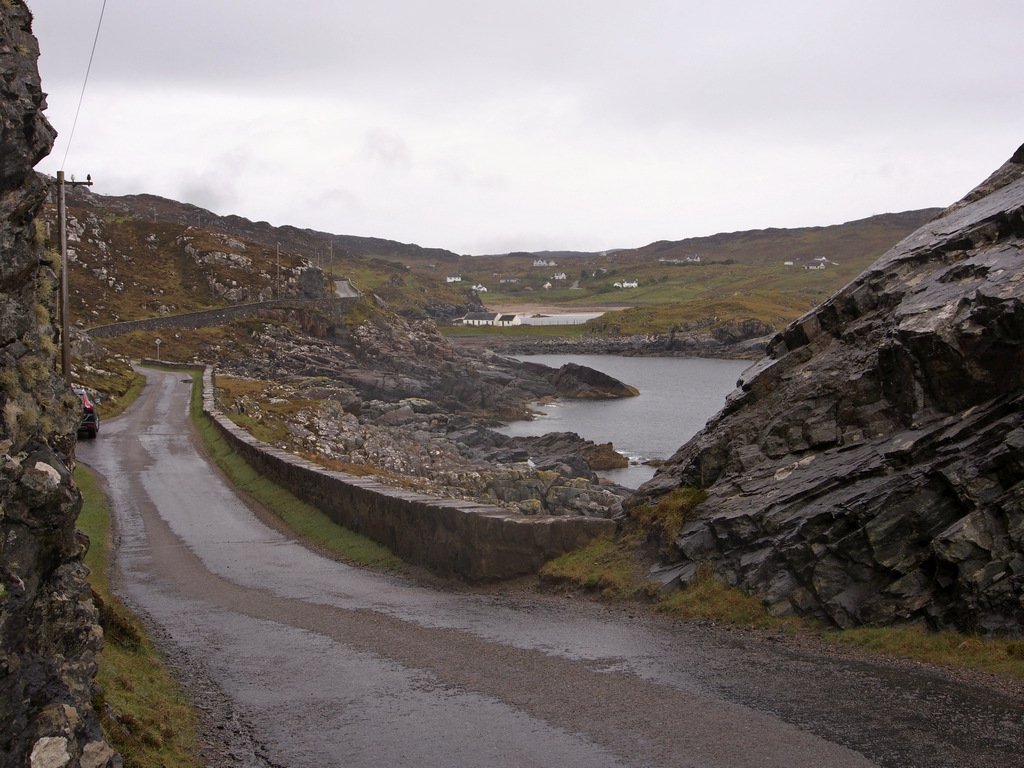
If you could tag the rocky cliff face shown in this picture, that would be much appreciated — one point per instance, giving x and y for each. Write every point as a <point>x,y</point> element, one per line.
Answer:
<point>869,469</point>
<point>49,636</point>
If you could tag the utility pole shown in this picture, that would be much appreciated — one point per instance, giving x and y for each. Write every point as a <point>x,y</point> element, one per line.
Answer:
<point>278,270</point>
<point>65,324</point>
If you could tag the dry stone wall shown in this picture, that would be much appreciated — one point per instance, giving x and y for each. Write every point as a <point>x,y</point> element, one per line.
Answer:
<point>451,537</point>
<point>333,309</point>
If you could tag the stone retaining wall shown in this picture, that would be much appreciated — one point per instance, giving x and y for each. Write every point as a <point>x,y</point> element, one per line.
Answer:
<point>451,537</point>
<point>334,309</point>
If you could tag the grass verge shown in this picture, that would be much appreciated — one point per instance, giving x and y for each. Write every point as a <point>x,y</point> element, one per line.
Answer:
<point>143,711</point>
<point>306,521</point>
<point>950,649</point>
<point>602,566</point>
<point>615,570</point>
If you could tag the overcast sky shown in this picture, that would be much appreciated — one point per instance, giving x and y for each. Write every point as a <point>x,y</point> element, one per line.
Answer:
<point>484,126</point>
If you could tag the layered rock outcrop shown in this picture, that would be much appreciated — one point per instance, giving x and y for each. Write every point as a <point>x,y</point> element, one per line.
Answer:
<point>869,469</point>
<point>49,634</point>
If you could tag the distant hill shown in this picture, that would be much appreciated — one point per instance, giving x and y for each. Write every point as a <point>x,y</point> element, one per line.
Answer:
<point>160,209</point>
<point>789,268</point>
<point>839,242</point>
<point>140,255</point>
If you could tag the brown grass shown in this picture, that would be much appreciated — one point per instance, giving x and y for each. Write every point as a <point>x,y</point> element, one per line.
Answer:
<point>670,513</point>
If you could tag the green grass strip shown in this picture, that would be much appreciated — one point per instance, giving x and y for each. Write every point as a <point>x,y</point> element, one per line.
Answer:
<point>143,711</point>
<point>304,520</point>
<point>614,570</point>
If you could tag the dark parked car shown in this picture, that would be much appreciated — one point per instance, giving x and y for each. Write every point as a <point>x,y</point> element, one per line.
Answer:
<point>90,423</point>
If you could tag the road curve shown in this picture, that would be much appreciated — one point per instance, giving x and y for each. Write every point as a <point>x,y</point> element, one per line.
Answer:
<point>307,662</point>
<point>344,289</point>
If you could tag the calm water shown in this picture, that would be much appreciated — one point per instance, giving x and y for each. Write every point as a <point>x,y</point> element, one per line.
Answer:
<point>677,397</point>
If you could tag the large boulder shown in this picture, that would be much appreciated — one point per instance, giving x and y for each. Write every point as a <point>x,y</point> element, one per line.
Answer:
<point>869,469</point>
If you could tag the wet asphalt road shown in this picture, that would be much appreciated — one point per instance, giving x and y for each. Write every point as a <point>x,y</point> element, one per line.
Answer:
<point>301,661</point>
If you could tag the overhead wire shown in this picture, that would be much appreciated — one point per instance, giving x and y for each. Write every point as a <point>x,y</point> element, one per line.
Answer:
<point>81,98</point>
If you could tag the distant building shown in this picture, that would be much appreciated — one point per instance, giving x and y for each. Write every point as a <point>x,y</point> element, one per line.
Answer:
<point>544,263</point>
<point>480,288</point>
<point>626,284</point>
<point>505,280</point>
<point>558,276</point>
<point>787,263</point>
<point>480,318</point>
<point>491,319</point>
<point>454,278</point>
<point>547,286</point>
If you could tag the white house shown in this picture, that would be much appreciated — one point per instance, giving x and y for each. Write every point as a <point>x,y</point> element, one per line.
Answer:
<point>480,288</point>
<point>454,278</point>
<point>505,320</point>
<point>509,280</point>
<point>543,263</point>
<point>626,284</point>
<point>558,276</point>
<point>480,318</point>
<point>547,286</point>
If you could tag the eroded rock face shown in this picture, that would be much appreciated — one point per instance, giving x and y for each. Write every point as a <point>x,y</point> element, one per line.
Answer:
<point>49,635</point>
<point>869,469</point>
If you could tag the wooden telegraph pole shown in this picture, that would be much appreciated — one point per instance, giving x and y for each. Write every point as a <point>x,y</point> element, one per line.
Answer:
<point>65,323</point>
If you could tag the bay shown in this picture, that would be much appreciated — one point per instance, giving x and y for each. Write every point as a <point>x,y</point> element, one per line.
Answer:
<point>677,397</point>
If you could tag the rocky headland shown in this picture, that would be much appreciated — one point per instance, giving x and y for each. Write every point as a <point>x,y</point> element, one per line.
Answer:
<point>869,469</point>
<point>741,340</point>
<point>49,631</point>
<point>394,399</point>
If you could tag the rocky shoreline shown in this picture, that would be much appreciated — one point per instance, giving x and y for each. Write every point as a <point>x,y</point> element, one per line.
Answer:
<point>744,341</point>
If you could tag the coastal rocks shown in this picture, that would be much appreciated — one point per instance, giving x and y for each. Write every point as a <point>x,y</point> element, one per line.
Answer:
<point>870,469</point>
<point>415,443</point>
<point>49,632</point>
<point>581,382</point>
<point>409,408</point>
<point>742,340</point>
<point>387,358</point>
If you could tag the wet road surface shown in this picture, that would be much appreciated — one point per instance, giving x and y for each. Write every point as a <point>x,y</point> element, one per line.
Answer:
<point>308,662</point>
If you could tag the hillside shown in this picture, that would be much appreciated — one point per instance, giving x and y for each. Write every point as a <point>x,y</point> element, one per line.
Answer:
<point>139,256</point>
<point>766,263</point>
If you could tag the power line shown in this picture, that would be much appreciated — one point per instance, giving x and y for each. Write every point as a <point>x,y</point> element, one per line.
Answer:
<point>81,98</point>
